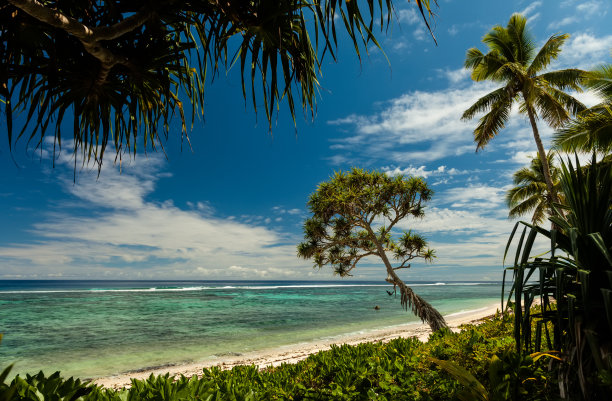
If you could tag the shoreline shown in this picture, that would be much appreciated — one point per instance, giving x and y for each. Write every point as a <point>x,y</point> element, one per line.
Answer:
<point>295,352</point>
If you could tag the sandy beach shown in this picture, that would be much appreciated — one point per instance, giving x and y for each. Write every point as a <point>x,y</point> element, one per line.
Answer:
<point>296,352</point>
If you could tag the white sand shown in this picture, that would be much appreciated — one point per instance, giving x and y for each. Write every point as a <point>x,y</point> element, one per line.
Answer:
<point>296,352</point>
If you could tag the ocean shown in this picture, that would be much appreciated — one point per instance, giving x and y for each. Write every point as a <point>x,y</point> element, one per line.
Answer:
<point>90,329</point>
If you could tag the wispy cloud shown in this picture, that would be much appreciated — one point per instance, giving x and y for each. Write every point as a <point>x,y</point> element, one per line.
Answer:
<point>585,51</point>
<point>529,11</point>
<point>111,228</point>
<point>583,11</point>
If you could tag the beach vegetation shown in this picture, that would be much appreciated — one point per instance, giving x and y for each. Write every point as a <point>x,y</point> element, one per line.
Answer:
<point>514,61</point>
<point>572,282</point>
<point>353,218</point>
<point>119,72</point>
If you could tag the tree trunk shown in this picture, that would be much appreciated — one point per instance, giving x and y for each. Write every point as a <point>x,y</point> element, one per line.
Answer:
<point>418,305</point>
<point>541,154</point>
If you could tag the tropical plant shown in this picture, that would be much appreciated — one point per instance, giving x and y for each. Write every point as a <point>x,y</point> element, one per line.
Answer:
<point>510,376</point>
<point>342,230</point>
<point>591,130</point>
<point>530,195</point>
<point>123,69</point>
<point>573,283</point>
<point>512,60</point>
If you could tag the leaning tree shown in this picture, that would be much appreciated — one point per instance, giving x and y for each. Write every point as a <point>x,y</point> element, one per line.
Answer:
<point>118,71</point>
<point>353,217</point>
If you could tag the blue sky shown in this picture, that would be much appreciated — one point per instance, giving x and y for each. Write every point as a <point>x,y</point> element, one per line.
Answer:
<point>233,206</point>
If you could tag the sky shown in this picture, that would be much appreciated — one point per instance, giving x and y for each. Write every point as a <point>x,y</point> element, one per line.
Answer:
<point>232,206</point>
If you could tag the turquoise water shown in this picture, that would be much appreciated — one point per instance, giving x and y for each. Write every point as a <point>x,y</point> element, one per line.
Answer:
<point>99,328</point>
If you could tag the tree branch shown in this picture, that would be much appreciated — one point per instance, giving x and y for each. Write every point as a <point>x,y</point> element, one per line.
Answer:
<point>402,266</point>
<point>90,38</point>
<point>54,18</point>
<point>121,28</point>
<point>358,258</point>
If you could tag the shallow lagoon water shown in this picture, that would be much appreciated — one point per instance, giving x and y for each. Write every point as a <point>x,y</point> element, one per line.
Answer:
<point>101,328</point>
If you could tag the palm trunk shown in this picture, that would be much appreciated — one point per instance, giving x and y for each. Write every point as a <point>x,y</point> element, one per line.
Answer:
<point>542,154</point>
<point>418,305</point>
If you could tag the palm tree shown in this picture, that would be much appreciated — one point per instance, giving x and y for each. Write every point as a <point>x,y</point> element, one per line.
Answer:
<point>512,60</point>
<point>591,130</point>
<point>531,193</point>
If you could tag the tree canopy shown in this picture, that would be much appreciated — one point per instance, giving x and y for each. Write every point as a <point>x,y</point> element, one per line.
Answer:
<point>124,69</point>
<point>353,215</point>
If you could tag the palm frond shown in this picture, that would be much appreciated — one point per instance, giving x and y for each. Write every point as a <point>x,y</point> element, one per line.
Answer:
<point>485,103</point>
<point>549,52</point>
<point>487,68</point>
<point>590,131</point>
<point>564,79</point>
<point>498,41</point>
<point>473,58</point>
<point>522,41</point>
<point>600,81</point>
<point>531,195</point>
<point>490,124</point>
<point>549,108</point>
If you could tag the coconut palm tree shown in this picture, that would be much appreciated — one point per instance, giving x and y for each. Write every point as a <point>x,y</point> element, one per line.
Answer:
<point>591,130</point>
<point>512,60</point>
<point>531,193</point>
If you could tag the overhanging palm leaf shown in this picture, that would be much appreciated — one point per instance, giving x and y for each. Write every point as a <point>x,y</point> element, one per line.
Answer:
<point>511,60</point>
<point>123,70</point>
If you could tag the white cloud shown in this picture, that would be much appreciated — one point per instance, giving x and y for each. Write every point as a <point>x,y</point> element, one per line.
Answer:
<point>524,158</point>
<point>413,171</point>
<point>479,196</point>
<point>442,173</point>
<point>456,76</point>
<point>583,11</point>
<point>454,220</point>
<point>417,127</point>
<point>564,22</point>
<point>584,51</point>
<point>111,226</point>
<point>590,8</point>
<point>419,33</point>
<point>408,16</point>
<point>527,11</point>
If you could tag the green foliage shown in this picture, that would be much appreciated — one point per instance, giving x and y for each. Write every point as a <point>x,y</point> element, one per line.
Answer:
<point>530,195</point>
<point>124,69</point>
<point>398,370</point>
<point>573,283</point>
<point>591,130</point>
<point>512,376</point>
<point>342,230</point>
